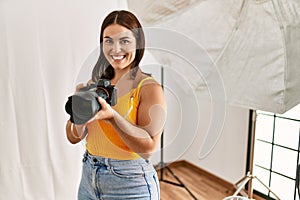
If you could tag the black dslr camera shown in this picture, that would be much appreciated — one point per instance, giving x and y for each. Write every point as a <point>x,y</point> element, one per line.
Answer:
<point>83,105</point>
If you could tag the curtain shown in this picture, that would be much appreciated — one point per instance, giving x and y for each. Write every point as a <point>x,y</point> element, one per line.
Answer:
<point>43,47</point>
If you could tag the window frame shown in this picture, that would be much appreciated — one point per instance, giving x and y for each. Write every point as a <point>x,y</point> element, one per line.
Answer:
<point>269,169</point>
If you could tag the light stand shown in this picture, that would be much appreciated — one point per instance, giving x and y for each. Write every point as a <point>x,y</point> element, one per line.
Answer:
<point>249,177</point>
<point>164,165</point>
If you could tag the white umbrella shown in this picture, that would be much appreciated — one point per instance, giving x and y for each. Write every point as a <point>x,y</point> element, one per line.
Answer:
<point>255,44</point>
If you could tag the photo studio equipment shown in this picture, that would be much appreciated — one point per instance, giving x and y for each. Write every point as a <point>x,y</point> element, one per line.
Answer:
<point>164,166</point>
<point>260,67</point>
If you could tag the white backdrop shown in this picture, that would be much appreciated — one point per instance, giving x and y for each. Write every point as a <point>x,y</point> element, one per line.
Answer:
<point>42,47</point>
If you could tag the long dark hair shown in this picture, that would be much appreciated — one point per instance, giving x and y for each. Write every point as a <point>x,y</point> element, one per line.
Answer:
<point>103,69</point>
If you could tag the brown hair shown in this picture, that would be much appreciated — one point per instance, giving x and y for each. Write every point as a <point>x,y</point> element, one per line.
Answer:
<point>124,18</point>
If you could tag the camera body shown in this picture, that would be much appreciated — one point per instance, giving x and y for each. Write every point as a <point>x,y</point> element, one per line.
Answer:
<point>83,105</point>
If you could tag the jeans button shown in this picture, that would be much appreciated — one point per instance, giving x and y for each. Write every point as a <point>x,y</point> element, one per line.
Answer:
<point>95,160</point>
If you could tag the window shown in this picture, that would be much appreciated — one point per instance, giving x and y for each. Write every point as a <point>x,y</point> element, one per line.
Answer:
<point>276,153</point>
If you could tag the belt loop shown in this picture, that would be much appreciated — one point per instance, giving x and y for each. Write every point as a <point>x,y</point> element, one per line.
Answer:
<point>107,163</point>
<point>85,156</point>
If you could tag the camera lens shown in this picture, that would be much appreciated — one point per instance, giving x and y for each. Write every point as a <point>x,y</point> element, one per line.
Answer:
<point>84,106</point>
<point>103,93</point>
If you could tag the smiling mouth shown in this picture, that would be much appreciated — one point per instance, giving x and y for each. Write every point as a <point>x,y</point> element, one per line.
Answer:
<point>118,58</point>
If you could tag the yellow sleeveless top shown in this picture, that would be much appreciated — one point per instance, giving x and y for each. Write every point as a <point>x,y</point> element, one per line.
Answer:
<point>103,140</point>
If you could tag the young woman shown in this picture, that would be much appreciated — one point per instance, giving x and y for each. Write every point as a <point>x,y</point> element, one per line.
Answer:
<point>121,138</point>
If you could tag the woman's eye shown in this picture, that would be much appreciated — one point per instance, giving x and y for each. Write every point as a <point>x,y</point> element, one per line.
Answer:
<point>108,41</point>
<point>125,41</point>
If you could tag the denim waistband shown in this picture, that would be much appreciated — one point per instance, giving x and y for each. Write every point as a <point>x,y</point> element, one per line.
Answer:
<point>97,160</point>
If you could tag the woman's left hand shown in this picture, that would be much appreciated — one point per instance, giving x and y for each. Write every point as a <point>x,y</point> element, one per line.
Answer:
<point>105,113</point>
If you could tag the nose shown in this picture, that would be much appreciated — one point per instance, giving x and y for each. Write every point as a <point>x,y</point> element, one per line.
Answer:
<point>117,47</point>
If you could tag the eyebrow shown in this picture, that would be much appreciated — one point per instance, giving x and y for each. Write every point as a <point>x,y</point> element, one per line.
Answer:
<point>122,38</point>
<point>126,37</point>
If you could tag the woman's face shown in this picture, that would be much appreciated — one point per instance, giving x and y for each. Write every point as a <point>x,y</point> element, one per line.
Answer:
<point>119,46</point>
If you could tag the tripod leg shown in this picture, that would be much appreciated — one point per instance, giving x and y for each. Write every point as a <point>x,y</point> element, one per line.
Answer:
<point>243,183</point>
<point>236,186</point>
<point>240,181</point>
<point>181,183</point>
<point>269,189</point>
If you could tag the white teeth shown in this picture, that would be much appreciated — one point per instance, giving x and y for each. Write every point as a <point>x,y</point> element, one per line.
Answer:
<point>118,57</point>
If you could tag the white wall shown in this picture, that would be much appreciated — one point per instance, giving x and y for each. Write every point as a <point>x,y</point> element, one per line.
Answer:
<point>227,160</point>
<point>190,117</point>
<point>186,128</point>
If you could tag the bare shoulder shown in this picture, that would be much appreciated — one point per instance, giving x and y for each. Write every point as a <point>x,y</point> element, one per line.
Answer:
<point>151,90</point>
<point>149,82</point>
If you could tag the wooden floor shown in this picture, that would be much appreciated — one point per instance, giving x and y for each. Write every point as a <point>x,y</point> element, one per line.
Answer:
<point>202,184</point>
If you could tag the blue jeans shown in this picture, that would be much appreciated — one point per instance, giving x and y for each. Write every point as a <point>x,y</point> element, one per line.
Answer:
<point>106,178</point>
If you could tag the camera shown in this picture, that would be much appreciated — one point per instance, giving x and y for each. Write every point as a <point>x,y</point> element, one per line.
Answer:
<point>83,105</point>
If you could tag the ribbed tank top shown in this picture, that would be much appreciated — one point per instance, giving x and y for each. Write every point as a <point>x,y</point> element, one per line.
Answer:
<point>103,140</point>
